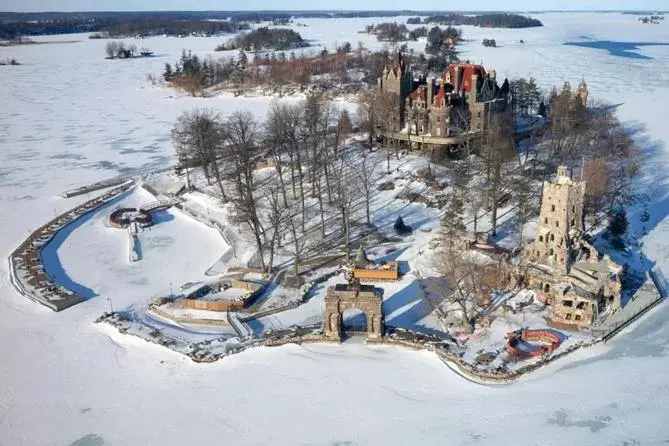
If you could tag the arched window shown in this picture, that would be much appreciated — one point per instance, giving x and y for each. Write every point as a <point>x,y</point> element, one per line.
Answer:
<point>573,222</point>
<point>547,288</point>
<point>546,220</point>
<point>552,237</point>
<point>557,224</point>
<point>553,208</point>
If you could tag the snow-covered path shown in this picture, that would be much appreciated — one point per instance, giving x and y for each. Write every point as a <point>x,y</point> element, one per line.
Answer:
<point>69,117</point>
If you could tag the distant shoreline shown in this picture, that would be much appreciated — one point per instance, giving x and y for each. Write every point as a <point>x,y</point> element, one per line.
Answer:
<point>32,42</point>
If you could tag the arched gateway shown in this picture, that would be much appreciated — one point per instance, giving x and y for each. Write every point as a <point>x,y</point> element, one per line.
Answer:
<point>342,297</point>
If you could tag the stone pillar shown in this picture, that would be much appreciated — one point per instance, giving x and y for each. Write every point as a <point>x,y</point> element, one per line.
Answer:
<point>332,326</point>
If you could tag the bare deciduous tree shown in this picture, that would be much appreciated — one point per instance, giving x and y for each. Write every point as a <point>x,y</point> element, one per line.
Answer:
<point>198,139</point>
<point>241,137</point>
<point>364,172</point>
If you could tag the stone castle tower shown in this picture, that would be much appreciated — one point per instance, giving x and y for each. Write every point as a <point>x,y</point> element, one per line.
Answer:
<point>396,81</point>
<point>583,93</point>
<point>559,222</point>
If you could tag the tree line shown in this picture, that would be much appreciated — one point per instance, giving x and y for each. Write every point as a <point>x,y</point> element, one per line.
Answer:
<point>276,70</point>
<point>497,20</point>
<point>265,38</point>
<point>159,27</point>
<point>121,24</point>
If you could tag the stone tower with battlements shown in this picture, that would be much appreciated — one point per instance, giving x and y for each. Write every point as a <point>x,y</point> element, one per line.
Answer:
<point>559,222</point>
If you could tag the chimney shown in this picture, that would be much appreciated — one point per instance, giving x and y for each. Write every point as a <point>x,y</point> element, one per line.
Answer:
<point>430,90</point>
<point>456,80</point>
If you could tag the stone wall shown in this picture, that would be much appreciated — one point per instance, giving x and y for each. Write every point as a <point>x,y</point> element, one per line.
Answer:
<point>253,289</point>
<point>211,305</point>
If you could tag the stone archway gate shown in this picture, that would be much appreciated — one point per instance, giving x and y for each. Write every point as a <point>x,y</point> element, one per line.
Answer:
<point>342,297</point>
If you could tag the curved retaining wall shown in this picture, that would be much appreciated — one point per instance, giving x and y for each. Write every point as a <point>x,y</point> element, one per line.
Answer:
<point>27,272</point>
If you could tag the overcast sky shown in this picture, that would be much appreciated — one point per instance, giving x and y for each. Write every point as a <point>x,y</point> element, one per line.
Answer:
<point>222,5</point>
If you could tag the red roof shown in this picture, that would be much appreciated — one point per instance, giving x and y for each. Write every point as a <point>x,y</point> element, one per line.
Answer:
<point>419,93</point>
<point>440,95</point>
<point>466,73</point>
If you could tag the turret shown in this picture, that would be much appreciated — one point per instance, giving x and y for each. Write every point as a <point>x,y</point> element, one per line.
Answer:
<point>583,92</point>
<point>430,91</point>
<point>456,78</point>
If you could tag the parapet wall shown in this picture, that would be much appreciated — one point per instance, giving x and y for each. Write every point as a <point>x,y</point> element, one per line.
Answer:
<point>212,305</point>
<point>28,274</point>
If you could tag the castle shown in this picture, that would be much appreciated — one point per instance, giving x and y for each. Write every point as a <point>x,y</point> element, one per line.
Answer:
<point>443,112</point>
<point>568,272</point>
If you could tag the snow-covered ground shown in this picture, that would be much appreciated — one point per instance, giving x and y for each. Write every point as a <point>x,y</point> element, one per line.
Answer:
<point>70,117</point>
<point>93,256</point>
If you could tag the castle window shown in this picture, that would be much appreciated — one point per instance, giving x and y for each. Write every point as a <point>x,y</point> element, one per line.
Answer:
<point>573,222</point>
<point>552,237</point>
<point>547,288</point>
<point>578,317</point>
<point>567,303</point>
<point>553,208</point>
<point>573,208</point>
<point>541,238</point>
<point>546,220</point>
<point>581,305</point>
<point>551,252</point>
<point>568,316</point>
<point>557,224</point>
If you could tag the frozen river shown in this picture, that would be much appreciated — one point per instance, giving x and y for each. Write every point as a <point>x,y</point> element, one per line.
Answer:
<point>68,117</point>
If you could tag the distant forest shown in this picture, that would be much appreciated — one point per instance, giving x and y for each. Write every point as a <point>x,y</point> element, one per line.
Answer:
<point>170,27</point>
<point>17,24</point>
<point>265,39</point>
<point>498,20</point>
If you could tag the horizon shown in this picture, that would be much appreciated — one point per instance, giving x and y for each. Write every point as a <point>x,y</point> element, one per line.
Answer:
<point>340,10</point>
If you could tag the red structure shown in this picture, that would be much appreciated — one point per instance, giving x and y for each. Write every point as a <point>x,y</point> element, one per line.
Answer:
<point>460,76</point>
<point>524,344</point>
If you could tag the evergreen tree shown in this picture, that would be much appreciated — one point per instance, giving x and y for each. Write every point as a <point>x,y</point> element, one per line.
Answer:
<point>452,223</point>
<point>345,122</point>
<point>618,223</point>
<point>400,227</point>
<point>167,74</point>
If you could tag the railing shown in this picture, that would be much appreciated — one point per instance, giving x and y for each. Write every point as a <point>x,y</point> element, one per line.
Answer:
<point>160,203</point>
<point>237,325</point>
